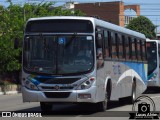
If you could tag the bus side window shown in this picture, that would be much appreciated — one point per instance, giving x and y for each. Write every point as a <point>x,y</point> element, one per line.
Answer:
<point>114,45</point>
<point>139,50</point>
<point>120,43</point>
<point>130,47</point>
<point>99,48</point>
<point>124,47</point>
<point>144,51</point>
<point>117,37</point>
<point>99,43</point>
<point>107,44</point>
<point>127,51</point>
<point>133,49</point>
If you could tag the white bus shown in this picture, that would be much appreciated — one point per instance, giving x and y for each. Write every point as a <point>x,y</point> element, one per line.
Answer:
<point>153,52</point>
<point>81,59</point>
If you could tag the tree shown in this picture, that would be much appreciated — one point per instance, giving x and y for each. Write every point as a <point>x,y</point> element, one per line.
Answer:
<point>10,28</point>
<point>143,25</point>
<point>13,19</point>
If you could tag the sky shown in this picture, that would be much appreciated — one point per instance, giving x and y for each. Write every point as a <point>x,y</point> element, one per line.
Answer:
<point>149,8</point>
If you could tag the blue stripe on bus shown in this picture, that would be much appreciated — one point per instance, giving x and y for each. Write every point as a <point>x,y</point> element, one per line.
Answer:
<point>36,82</point>
<point>139,68</point>
<point>45,77</point>
<point>34,78</point>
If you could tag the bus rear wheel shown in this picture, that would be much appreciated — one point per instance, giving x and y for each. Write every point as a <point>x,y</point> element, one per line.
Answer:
<point>45,106</point>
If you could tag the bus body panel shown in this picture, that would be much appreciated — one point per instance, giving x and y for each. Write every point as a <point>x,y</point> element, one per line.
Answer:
<point>121,74</point>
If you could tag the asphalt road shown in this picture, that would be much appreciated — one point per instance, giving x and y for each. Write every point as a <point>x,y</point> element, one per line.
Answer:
<point>116,110</point>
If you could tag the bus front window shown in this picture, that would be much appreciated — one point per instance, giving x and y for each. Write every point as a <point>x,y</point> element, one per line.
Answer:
<point>58,55</point>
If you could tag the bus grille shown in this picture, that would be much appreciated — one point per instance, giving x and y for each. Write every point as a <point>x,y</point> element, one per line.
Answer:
<point>57,94</point>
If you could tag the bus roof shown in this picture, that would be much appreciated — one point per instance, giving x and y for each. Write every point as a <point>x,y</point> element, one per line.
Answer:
<point>152,40</point>
<point>96,22</point>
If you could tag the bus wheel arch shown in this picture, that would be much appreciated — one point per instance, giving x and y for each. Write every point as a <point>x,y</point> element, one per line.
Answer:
<point>108,88</point>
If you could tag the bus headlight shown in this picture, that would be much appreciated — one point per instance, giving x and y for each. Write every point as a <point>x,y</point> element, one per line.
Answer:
<point>86,84</point>
<point>155,74</point>
<point>28,84</point>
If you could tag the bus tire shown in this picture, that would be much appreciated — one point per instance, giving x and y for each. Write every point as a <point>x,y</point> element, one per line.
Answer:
<point>133,94</point>
<point>102,106</point>
<point>45,106</point>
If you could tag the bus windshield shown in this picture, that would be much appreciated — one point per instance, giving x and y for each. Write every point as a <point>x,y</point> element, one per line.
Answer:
<point>152,56</point>
<point>58,54</point>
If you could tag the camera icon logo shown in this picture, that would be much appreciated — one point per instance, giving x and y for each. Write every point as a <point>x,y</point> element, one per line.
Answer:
<point>143,108</point>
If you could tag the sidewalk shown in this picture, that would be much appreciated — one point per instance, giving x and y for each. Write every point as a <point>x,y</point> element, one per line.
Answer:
<point>10,89</point>
<point>15,102</point>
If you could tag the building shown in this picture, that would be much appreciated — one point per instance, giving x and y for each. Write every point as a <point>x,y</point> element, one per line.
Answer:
<point>69,5</point>
<point>109,11</point>
<point>127,19</point>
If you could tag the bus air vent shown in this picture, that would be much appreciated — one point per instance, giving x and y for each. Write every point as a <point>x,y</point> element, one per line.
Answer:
<point>57,94</point>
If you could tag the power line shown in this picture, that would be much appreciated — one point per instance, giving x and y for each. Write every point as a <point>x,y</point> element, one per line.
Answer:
<point>81,1</point>
<point>85,1</point>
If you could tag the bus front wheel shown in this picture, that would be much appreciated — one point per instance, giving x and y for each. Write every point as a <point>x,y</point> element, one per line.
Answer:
<point>102,106</point>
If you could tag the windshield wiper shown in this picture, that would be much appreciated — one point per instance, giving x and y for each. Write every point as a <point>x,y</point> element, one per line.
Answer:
<point>71,40</point>
<point>45,46</point>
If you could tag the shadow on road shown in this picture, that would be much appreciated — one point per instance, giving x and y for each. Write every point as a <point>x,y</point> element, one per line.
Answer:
<point>74,109</point>
<point>71,110</point>
<point>152,90</point>
<point>63,110</point>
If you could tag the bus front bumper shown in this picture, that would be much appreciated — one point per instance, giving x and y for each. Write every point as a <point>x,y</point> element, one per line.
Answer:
<point>88,95</point>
